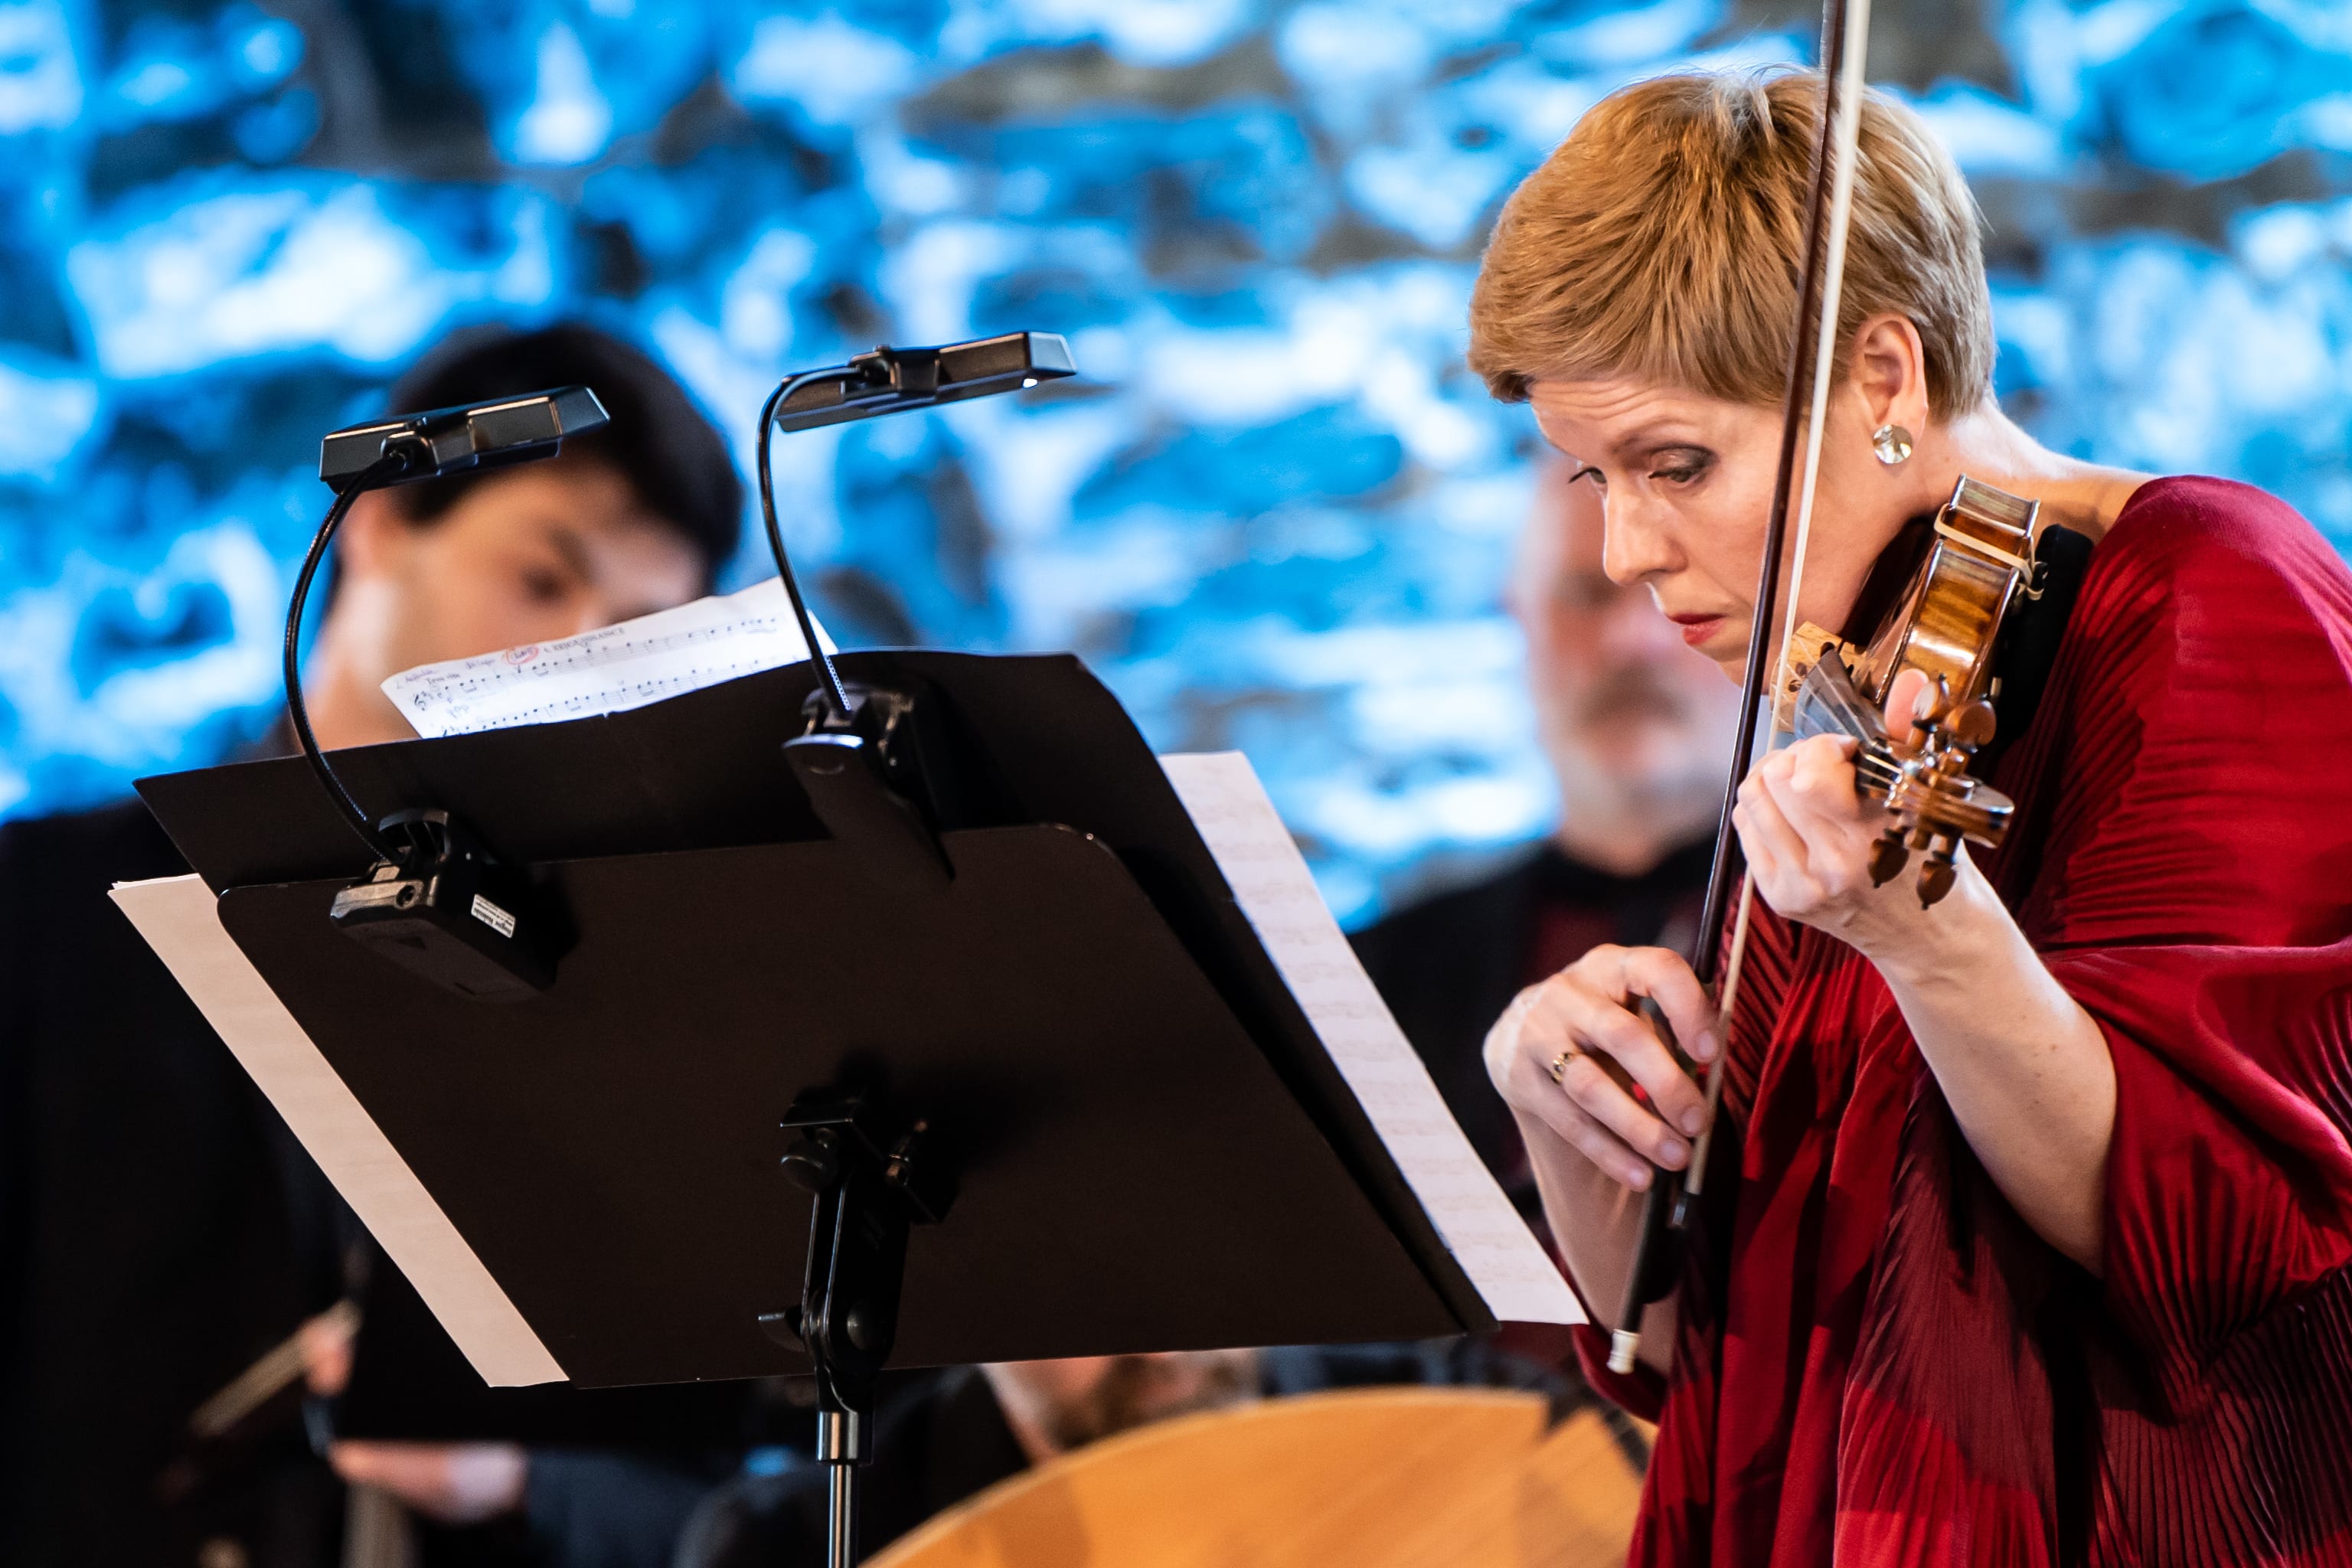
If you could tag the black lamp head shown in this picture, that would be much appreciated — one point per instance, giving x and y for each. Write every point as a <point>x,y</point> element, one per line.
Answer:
<point>454,440</point>
<point>890,381</point>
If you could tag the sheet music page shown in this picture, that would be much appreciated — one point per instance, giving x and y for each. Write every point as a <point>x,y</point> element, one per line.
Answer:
<point>1277,891</point>
<point>608,670</point>
<point>181,920</point>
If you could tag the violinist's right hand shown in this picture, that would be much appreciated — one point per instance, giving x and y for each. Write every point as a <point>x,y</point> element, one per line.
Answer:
<point>1565,1050</point>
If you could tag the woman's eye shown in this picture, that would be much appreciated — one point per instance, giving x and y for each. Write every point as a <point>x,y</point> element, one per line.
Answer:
<point>1678,473</point>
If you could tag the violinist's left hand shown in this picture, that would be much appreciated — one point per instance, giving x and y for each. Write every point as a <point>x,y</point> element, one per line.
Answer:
<point>1807,836</point>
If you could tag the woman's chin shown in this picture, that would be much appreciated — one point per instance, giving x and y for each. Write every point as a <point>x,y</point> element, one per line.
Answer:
<point>1728,648</point>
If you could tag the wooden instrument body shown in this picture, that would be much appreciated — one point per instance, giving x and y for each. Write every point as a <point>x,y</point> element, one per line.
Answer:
<point>1950,614</point>
<point>1391,1477</point>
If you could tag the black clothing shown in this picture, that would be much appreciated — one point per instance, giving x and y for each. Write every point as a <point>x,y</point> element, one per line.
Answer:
<point>945,1438</point>
<point>1449,965</point>
<point>159,1227</point>
<point>935,1445</point>
<point>605,1508</point>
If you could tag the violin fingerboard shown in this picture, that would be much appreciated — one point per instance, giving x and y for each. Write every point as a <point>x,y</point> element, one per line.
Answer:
<point>1829,703</point>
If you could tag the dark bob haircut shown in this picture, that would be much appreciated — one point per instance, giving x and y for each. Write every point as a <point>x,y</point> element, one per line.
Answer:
<point>672,456</point>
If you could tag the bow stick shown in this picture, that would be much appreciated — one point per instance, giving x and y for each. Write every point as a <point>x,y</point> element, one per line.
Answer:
<point>1829,209</point>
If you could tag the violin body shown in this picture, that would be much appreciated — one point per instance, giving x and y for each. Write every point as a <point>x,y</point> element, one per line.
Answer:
<point>1946,625</point>
<point>1950,616</point>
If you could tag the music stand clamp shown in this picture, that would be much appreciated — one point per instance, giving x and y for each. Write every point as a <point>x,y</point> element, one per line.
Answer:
<point>446,909</point>
<point>871,1179</point>
<point>880,776</point>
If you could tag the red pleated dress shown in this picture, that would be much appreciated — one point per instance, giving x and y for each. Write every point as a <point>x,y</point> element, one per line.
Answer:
<point>1877,1363</point>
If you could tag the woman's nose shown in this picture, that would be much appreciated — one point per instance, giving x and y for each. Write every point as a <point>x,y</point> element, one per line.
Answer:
<point>1633,549</point>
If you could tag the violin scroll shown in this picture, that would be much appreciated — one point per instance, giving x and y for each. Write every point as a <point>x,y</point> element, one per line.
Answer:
<point>1921,778</point>
<point>1946,625</point>
<point>1935,802</point>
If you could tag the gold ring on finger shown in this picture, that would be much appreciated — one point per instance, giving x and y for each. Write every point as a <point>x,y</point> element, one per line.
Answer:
<point>1559,1066</point>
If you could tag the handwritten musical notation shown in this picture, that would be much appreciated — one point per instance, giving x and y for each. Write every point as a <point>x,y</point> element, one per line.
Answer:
<point>608,670</point>
<point>1277,893</point>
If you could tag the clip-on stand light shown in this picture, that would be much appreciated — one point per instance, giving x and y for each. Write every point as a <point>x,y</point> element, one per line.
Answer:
<point>436,901</point>
<point>871,758</point>
<point>872,761</point>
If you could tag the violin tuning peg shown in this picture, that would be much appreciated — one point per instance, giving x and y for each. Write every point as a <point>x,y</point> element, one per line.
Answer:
<point>1887,854</point>
<point>1934,698</point>
<point>1973,725</point>
<point>1937,874</point>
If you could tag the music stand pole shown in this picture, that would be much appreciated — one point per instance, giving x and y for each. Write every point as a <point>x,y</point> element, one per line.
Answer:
<point>836,1434</point>
<point>870,1182</point>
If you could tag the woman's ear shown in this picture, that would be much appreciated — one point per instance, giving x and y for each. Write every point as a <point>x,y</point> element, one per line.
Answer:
<point>1890,373</point>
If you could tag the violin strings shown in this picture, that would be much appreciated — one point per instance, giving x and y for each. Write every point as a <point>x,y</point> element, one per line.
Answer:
<point>1846,147</point>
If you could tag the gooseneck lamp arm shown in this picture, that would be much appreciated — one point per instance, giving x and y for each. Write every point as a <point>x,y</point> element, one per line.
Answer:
<point>405,448</point>
<point>401,455</point>
<point>828,678</point>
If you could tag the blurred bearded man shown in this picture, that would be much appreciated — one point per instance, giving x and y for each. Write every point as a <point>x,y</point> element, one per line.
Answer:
<point>1637,728</point>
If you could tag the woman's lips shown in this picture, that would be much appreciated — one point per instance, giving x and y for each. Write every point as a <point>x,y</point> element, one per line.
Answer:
<point>1696,629</point>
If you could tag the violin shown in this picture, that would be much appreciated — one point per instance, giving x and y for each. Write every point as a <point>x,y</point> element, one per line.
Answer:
<point>1947,622</point>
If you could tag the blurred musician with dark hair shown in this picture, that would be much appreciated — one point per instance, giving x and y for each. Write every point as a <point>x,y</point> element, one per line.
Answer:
<point>159,1229</point>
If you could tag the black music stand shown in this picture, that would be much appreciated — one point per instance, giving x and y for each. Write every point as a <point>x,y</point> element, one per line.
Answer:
<point>1069,1051</point>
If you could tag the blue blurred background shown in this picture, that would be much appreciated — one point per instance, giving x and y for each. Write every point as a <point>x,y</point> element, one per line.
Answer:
<point>1276,513</point>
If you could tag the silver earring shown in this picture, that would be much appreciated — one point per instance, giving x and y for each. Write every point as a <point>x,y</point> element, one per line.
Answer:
<point>1892,443</point>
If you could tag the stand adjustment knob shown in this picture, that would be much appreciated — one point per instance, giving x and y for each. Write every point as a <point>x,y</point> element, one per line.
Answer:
<point>814,1159</point>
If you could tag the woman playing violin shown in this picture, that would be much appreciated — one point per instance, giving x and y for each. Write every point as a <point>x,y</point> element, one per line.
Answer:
<point>2033,1242</point>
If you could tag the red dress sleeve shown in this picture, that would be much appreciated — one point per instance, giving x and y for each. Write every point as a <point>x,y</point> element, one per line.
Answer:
<point>2194,894</point>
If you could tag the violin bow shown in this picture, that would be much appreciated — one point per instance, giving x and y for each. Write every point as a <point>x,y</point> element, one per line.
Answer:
<point>1667,1208</point>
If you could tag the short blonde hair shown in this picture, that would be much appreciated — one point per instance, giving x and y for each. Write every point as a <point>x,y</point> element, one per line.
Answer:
<point>1664,241</point>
